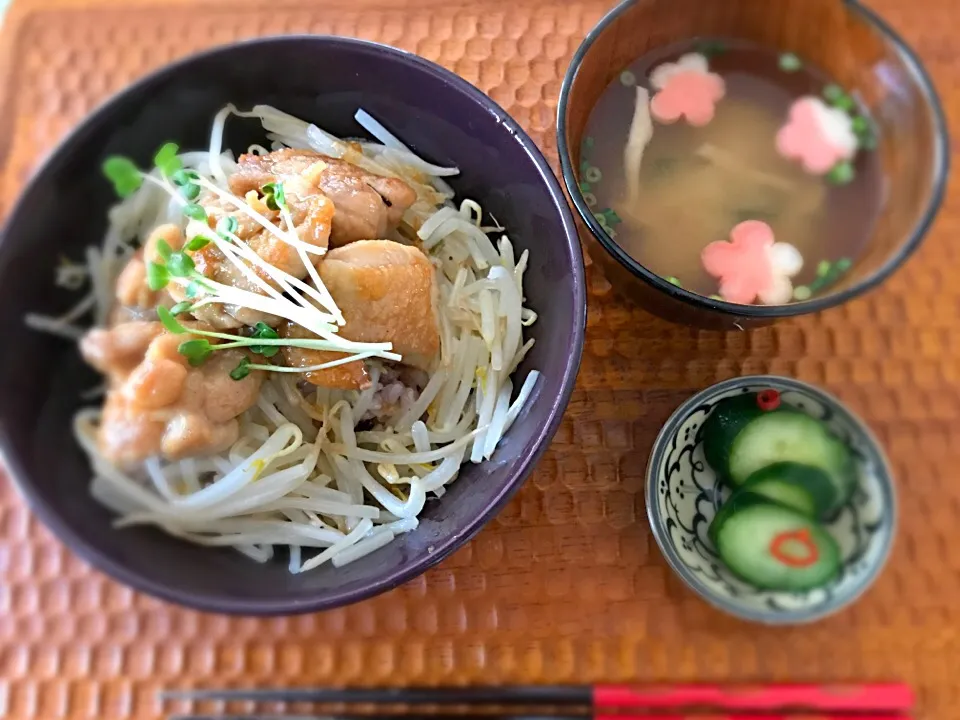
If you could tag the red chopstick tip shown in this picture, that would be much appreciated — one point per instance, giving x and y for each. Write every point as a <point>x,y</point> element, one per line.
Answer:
<point>861,698</point>
<point>870,716</point>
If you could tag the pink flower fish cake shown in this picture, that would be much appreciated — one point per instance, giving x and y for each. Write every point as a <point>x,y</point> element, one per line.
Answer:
<point>817,136</point>
<point>686,89</point>
<point>752,266</point>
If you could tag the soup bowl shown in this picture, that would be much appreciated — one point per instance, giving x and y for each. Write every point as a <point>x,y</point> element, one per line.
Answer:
<point>683,495</point>
<point>847,41</point>
<point>64,209</point>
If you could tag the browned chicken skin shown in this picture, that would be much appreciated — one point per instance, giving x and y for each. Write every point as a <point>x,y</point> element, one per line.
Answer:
<point>132,284</point>
<point>387,293</point>
<point>218,316</point>
<point>367,205</point>
<point>311,213</point>
<point>349,376</point>
<point>156,403</point>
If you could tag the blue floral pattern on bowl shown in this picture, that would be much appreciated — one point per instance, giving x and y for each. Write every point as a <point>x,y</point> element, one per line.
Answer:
<point>683,494</point>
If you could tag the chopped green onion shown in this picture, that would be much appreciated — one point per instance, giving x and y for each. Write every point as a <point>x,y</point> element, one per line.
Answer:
<point>124,175</point>
<point>827,274</point>
<point>846,103</point>
<point>180,265</point>
<point>866,136</point>
<point>589,142</point>
<point>612,218</point>
<point>836,96</point>
<point>790,62</point>
<point>166,159</point>
<point>832,92</point>
<point>191,191</point>
<point>157,276</point>
<point>674,281</point>
<point>841,174</point>
<point>709,48</point>
<point>164,250</point>
<point>195,351</point>
<point>628,78</point>
<point>197,242</point>
<point>181,307</point>
<point>195,212</point>
<point>169,321</point>
<point>585,186</point>
<point>241,370</point>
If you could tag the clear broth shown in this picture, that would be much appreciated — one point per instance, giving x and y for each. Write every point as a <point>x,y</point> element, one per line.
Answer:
<point>697,183</point>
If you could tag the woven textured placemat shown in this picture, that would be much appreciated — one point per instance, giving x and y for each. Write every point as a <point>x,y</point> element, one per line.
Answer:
<point>567,584</point>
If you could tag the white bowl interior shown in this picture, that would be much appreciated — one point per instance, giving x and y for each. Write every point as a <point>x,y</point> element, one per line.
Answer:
<point>683,495</point>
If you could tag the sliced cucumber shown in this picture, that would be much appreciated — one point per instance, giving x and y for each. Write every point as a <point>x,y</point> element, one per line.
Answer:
<point>772,546</point>
<point>802,487</point>
<point>737,501</point>
<point>722,427</point>
<point>791,436</point>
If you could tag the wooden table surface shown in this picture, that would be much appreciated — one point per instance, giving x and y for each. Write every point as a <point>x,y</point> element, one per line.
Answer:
<point>566,585</point>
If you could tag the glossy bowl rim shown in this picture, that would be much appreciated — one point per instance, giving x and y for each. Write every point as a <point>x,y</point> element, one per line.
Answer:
<point>941,173</point>
<point>662,535</point>
<point>528,456</point>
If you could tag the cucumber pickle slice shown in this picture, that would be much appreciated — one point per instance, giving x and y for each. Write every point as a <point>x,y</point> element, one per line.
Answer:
<point>802,487</point>
<point>743,436</point>
<point>791,436</point>
<point>773,546</point>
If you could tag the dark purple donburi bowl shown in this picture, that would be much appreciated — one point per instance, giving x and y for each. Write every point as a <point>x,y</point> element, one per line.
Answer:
<point>322,79</point>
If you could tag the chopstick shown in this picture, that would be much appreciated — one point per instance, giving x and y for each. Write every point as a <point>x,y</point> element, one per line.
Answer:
<point>890,698</point>
<point>884,716</point>
<point>861,698</point>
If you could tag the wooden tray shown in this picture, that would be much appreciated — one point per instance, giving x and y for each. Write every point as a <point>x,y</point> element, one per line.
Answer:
<point>567,584</point>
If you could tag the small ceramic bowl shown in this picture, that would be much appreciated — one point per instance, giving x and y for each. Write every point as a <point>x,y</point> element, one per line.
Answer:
<point>845,39</point>
<point>683,495</point>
